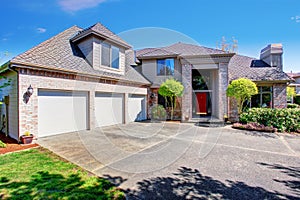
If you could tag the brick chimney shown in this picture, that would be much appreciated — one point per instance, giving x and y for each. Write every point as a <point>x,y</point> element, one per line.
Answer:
<point>272,55</point>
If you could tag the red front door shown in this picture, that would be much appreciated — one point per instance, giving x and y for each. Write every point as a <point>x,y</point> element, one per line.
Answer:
<point>201,103</point>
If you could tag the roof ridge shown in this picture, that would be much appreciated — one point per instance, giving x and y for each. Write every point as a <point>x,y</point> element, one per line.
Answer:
<point>160,49</point>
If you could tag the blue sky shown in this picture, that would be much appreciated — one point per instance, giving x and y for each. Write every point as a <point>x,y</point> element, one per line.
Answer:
<point>254,23</point>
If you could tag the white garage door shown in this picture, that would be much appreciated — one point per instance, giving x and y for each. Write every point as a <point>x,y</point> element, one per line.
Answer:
<point>109,109</point>
<point>136,108</point>
<point>61,112</point>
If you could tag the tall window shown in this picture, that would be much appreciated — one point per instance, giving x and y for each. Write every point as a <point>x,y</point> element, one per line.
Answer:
<point>264,97</point>
<point>115,57</point>
<point>110,56</point>
<point>165,67</point>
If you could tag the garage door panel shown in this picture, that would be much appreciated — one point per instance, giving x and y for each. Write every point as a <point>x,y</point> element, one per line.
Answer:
<point>61,112</point>
<point>109,109</point>
<point>136,108</point>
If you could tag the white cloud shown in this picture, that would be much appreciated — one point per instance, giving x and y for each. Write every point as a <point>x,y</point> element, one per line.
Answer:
<point>41,30</point>
<point>75,5</point>
<point>296,18</point>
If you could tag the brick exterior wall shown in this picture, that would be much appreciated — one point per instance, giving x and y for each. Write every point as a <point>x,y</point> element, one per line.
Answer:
<point>28,113</point>
<point>186,106</point>
<point>279,96</point>
<point>222,101</point>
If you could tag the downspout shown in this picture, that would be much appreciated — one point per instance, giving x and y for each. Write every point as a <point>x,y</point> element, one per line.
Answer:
<point>18,113</point>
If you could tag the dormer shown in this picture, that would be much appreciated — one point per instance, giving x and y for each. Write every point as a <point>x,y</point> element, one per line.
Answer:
<point>103,49</point>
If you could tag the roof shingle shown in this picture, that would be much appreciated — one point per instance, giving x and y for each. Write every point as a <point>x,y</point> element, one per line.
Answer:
<point>179,48</point>
<point>59,53</point>
<point>254,69</point>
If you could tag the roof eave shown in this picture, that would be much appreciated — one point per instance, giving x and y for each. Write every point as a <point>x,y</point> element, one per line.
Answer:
<point>40,67</point>
<point>272,81</point>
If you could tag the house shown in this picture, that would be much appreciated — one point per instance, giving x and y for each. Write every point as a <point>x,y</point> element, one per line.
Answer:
<point>205,74</point>
<point>296,85</point>
<point>80,79</point>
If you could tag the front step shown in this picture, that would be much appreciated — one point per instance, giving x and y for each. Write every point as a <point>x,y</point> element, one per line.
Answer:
<point>207,122</point>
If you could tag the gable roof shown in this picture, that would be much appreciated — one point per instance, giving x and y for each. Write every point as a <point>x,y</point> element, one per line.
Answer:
<point>59,53</point>
<point>178,49</point>
<point>100,30</point>
<point>254,69</point>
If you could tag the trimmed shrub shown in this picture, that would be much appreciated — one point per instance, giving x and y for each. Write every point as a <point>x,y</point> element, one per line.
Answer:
<point>2,144</point>
<point>158,112</point>
<point>286,119</point>
<point>292,105</point>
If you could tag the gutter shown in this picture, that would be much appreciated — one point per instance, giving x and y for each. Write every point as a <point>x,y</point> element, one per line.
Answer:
<point>40,67</point>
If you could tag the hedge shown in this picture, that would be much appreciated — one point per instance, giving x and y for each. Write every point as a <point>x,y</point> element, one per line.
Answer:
<point>292,105</point>
<point>285,120</point>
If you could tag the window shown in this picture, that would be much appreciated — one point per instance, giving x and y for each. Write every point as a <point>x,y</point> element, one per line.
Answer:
<point>165,67</point>
<point>110,56</point>
<point>264,97</point>
<point>115,57</point>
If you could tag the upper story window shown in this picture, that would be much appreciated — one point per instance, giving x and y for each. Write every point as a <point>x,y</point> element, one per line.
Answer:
<point>110,56</point>
<point>165,67</point>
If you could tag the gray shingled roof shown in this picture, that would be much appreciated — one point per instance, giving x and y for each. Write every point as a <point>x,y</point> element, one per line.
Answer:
<point>181,49</point>
<point>58,53</point>
<point>239,66</point>
<point>254,69</point>
<point>101,30</point>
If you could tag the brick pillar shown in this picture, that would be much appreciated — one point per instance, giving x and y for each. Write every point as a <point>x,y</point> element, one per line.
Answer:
<point>186,108</point>
<point>223,84</point>
<point>279,96</point>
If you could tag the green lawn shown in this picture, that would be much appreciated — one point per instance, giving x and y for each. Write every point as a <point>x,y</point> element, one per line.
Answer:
<point>39,174</point>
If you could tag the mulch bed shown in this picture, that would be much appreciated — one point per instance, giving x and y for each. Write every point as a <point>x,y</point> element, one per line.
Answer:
<point>13,145</point>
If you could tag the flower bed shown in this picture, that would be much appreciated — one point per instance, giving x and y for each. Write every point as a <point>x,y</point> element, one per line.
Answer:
<point>253,126</point>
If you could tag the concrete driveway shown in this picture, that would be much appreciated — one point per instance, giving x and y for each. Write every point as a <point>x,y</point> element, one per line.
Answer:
<point>184,161</point>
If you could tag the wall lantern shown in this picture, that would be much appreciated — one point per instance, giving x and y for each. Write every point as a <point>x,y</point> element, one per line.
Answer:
<point>27,94</point>
<point>152,95</point>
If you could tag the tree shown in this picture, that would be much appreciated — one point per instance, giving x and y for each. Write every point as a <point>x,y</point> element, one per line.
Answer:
<point>241,89</point>
<point>290,93</point>
<point>6,82</point>
<point>171,89</point>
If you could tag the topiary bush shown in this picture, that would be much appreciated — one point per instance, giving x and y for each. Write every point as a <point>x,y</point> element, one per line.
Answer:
<point>287,119</point>
<point>158,112</point>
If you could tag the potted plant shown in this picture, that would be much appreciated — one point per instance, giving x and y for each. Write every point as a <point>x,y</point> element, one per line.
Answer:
<point>225,118</point>
<point>26,138</point>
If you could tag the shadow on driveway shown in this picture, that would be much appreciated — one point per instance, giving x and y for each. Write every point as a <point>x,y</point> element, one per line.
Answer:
<point>188,183</point>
